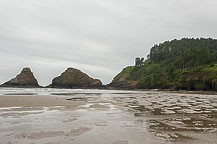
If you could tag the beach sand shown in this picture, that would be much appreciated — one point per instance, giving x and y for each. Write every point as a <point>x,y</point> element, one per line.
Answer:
<point>103,118</point>
<point>36,101</point>
<point>55,120</point>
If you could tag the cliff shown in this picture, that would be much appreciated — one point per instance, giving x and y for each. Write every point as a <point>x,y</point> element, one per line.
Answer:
<point>123,81</point>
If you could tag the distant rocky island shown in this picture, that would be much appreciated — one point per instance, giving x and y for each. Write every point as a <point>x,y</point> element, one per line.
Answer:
<point>71,78</point>
<point>74,78</point>
<point>24,79</point>
<point>186,64</point>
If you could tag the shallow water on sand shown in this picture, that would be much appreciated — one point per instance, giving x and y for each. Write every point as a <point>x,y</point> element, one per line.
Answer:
<point>106,117</point>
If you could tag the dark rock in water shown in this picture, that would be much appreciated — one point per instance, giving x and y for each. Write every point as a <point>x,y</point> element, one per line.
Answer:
<point>24,79</point>
<point>74,78</point>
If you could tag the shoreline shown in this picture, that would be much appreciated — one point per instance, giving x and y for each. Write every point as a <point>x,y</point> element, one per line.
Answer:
<point>127,89</point>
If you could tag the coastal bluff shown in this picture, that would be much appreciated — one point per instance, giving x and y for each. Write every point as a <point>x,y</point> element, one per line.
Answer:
<point>25,79</point>
<point>122,81</point>
<point>185,64</point>
<point>74,78</point>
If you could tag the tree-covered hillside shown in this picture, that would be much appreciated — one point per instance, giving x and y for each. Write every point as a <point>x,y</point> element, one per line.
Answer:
<point>184,53</point>
<point>189,64</point>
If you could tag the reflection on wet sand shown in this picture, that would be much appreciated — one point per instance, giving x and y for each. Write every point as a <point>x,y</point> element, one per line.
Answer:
<point>109,117</point>
<point>176,116</point>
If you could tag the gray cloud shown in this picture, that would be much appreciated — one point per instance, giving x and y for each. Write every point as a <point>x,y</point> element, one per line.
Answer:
<point>100,37</point>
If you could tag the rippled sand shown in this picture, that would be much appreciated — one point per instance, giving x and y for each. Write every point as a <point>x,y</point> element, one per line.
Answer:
<point>106,117</point>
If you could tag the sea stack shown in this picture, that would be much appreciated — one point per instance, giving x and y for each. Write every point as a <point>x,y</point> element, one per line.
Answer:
<point>74,78</point>
<point>24,79</point>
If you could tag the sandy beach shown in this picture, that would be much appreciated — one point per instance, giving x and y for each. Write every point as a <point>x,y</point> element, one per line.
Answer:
<point>35,101</point>
<point>106,117</point>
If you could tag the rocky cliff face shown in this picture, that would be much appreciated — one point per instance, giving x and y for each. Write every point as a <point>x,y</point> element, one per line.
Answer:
<point>123,84</point>
<point>122,81</point>
<point>74,78</point>
<point>24,79</point>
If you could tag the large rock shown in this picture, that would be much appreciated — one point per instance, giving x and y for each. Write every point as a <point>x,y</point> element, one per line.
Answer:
<point>74,78</point>
<point>24,79</point>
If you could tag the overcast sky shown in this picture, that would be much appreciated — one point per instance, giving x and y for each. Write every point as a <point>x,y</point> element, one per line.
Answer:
<point>99,37</point>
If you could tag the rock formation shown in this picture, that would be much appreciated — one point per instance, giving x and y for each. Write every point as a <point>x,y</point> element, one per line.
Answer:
<point>122,81</point>
<point>74,78</point>
<point>24,79</point>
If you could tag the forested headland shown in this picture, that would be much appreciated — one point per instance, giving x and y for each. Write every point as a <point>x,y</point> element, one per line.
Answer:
<point>188,64</point>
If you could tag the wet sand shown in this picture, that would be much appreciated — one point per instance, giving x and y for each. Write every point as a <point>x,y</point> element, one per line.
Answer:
<point>36,101</point>
<point>150,117</point>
